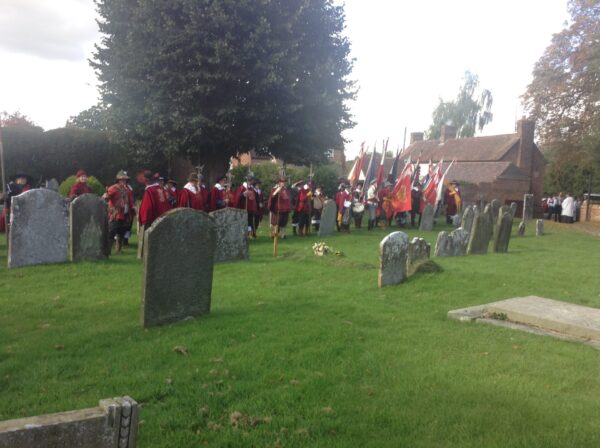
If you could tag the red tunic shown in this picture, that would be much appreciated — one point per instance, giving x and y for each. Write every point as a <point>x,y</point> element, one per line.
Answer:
<point>205,197</point>
<point>218,197</point>
<point>154,203</point>
<point>303,201</point>
<point>245,198</point>
<point>78,189</point>
<point>340,198</point>
<point>172,194</point>
<point>120,202</point>
<point>280,200</point>
<point>190,197</point>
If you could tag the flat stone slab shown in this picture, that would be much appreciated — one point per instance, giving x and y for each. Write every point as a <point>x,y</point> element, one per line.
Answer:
<point>552,317</point>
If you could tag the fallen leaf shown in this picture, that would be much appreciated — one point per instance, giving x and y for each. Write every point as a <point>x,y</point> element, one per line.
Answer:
<point>327,410</point>
<point>294,382</point>
<point>347,322</point>
<point>216,360</point>
<point>59,347</point>
<point>213,426</point>
<point>168,380</point>
<point>213,372</point>
<point>180,349</point>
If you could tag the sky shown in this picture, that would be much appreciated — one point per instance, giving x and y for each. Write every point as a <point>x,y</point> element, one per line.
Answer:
<point>408,54</point>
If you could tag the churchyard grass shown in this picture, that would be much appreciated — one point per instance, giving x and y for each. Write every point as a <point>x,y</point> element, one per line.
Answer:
<point>307,351</point>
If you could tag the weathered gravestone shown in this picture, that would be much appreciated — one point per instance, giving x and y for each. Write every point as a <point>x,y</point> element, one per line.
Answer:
<point>328,217</point>
<point>527,207</point>
<point>504,209</point>
<point>456,220</point>
<point>453,244</point>
<point>495,204</point>
<point>179,252</point>
<point>502,236</point>
<point>513,209</point>
<point>419,251</point>
<point>467,219</point>
<point>88,228</point>
<point>501,211</point>
<point>231,225</point>
<point>427,218</point>
<point>392,256</point>
<point>113,424</point>
<point>521,229</point>
<point>479,238</point>
<point>539,227</point>
<point>489,213</point>
<point>39,228</point>
<point>52,184</point>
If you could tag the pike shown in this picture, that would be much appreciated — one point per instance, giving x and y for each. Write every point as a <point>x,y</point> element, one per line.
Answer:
<point>276,237</point>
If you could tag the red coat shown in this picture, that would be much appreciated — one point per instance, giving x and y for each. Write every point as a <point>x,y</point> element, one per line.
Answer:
<point>303,201</point>
<point>172,194</point>
<point>78,189</point>
<point>245,198</point>
<point>205,197</point>
<point>280,200</point>
<point>154,203</point>
<point>120,202</point>
<point>218,198</point>
<point>340,198</point>
<point>190,197</point>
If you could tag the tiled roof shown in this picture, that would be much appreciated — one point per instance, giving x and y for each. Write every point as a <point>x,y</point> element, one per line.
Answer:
<point>491,148</point>
<point>478,172</point>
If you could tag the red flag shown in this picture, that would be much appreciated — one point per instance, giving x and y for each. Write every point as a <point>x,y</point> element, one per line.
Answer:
<point>429,195</point>
<point>356,171</point>
<point>401,198</point>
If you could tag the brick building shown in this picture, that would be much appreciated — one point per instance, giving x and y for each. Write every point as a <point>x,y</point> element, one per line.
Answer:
<point>504,167</point>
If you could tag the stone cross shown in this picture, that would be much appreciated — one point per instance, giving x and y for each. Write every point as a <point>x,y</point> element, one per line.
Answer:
<point>539,227</point>
<point>419,251</point>
<point>231,225</point>
<point>38,228</point>
<point>527,207</point>
<point>179,251</point>
<point>88,228</point>
<point>479,238</point>
<point>427,218</point>
<point>392,256</point>
<point>502,236</point>
<point>328,218</point>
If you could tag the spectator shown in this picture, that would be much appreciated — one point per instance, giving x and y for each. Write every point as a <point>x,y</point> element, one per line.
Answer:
<point>568,209</point>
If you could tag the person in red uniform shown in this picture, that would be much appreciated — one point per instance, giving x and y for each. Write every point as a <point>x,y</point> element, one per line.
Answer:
<point>279,205</point>
<point>154,203</point>
<point>205,191</point>
<point>190,195</point>
<point>260,202</point>
<point>171,189</point>
<point>80,186</point>
<point>452,201</point>
<point>385,209</point>
<point>19,185</point>
<point>218,195</point>
<point>245,199</point>
<point>303,209</point>
<point>132,200</point>
<point>344,205</point>
<point>120,209</point>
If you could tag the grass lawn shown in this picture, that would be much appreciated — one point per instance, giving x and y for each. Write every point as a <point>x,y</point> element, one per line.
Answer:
<point>305,351</point>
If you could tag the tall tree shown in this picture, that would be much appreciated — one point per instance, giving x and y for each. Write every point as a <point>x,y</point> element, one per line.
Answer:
<point>94,118</point>
<point>470,111</point>
<point>210,78</point>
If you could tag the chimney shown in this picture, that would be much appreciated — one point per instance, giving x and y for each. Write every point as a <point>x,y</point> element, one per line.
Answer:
<point>447,132</point>
<point>525,130</point>
<point>416,137</point>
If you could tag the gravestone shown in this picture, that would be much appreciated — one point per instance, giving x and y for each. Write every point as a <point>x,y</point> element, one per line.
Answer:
<point>393,252</point>
<point>231,225</point>
<point>427,218</point>
<point>527,207</point>
<point>495,204</point>
<point>328,218</point>
<point>179,252</point>
<point>88,228</point>
<point>521,229</point>
<point>539,227</point>
<point>52,184</point>
<point>453,244</point>
<point>419,251</point>
<point>39,228</point>
<point>443,245</point>
<point>467,219</point>
<point>456,220</point>
<point>502,237</point>
<point>504,209</point>
<point>489,213</point>
<point>479,238</point>
<point>513,209</point>
<point>112,424</point>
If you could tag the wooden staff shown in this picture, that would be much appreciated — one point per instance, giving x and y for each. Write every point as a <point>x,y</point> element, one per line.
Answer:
<point>276,228</point>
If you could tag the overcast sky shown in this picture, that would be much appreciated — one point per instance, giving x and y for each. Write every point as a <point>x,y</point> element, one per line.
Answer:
<point>408,54</point>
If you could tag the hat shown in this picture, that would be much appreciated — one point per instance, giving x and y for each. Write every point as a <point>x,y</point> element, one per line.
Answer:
<point>80,173</point>
<point>221,177</point>
<point>193,177</point>
<point>171,181</point>
<point>158,176</point>
<point>19,175</point>
<point>122,175</point>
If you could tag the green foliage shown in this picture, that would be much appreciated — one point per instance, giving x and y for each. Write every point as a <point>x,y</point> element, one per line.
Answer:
<point>93,118</point>
<point>315,346</point>
<point>59,153</point>
<point>94,184</point>
<point>470,111</point>
<point>17,120</point>
<point>209,79</point>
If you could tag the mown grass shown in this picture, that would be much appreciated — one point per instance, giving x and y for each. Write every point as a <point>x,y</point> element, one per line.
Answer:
<point>307,351</point>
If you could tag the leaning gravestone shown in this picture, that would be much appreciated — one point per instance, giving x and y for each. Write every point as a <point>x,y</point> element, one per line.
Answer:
<point>456,220</point>
<point>38,228</point>
<point>179,251</point>
<point>521,229</point>
<point>88,228</point>
<point>453,244</point>
<point>527,207</point>
<point>502,237</point>
<point>231,225</point>
<point>392,255</point>
<point>479,238</point>
<point>467,219</point>
<point>112,424</point>
<point>495,204</point>
<point>52,184</point>
<point>427,218</point>
<point>539,227</point>
<point>419,251</point>
<point>513,209</point>
<point>328,217</point>
<point>489,213</point>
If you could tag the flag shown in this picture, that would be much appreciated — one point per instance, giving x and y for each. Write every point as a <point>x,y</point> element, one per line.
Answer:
<point>394,169</point>
<point>380,171</point>
<point>401,198</point>
<point>443,183</point>
<point>356,171</point>
<point>430,189</point>
<point>370,174</point>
